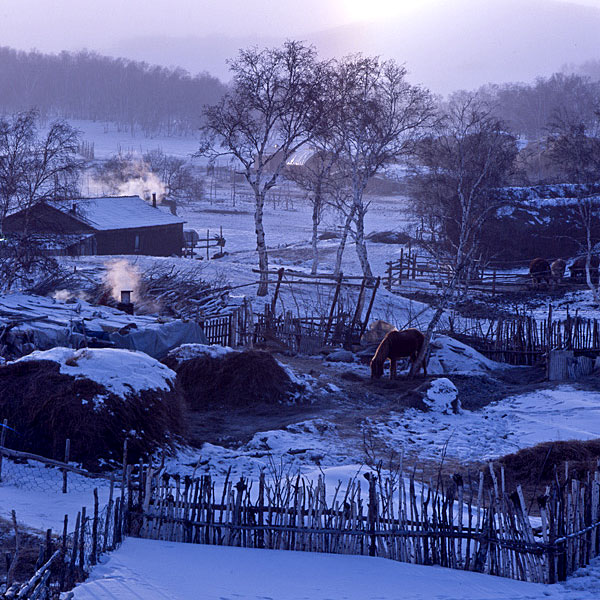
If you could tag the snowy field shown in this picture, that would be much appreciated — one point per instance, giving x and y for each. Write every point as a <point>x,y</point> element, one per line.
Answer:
<point>155,570</point>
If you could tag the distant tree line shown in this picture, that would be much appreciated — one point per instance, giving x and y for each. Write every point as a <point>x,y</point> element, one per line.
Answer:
<point>86,85</point>
<point>529,108</point>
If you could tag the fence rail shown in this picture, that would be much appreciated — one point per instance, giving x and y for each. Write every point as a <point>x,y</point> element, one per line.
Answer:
<point>400,519</point>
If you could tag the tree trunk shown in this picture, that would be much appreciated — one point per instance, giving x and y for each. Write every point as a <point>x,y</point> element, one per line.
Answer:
<point>361,247</point>
<point>343,240</point>
<point>315,233</point>
<point>261,246</point>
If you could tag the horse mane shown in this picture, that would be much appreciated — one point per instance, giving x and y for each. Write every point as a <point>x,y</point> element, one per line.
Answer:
<point>383,350</point>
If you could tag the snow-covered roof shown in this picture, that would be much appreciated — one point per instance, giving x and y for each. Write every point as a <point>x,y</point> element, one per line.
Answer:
<point>117,212</point>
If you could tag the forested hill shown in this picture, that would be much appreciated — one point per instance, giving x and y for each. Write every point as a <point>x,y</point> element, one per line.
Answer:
<point>86,85</point>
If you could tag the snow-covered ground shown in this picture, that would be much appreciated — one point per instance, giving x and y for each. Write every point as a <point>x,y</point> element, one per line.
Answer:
<point>520,421</point>
<point>155,570</point>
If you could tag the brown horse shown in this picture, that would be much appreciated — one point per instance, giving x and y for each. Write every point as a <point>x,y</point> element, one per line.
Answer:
<point>539,271</point>
<point>397,344</point>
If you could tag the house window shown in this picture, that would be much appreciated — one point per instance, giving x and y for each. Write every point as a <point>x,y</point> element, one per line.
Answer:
<point>137,243</point>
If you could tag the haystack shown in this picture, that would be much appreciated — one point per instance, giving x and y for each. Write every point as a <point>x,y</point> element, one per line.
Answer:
<point>96,398</point>
<point>232,379</point>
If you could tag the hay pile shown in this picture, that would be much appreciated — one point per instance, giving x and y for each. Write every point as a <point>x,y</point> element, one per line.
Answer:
<point>536,465</point>
<point>94,397</point>
<point>233,379</point>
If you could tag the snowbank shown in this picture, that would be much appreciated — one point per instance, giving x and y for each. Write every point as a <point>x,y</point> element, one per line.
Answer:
<point>189,351</point>
<point>451,356</point>
<point>121,372</point>
<point>155,570</point>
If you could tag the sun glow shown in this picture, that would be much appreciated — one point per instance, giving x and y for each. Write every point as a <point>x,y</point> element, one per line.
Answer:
<point>376,10</point>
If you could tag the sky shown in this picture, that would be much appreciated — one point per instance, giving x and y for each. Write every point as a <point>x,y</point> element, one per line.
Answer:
<point>200,34</point>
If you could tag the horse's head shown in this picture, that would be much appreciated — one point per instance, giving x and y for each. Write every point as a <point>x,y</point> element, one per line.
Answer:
<point>376,368</point>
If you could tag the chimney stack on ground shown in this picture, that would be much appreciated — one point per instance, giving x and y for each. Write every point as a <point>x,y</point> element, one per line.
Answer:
<point>154,199</point>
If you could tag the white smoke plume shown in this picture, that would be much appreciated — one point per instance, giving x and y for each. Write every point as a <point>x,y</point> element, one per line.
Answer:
<point>122,275</point>
<point>144,185</point>
<point>141,181</point>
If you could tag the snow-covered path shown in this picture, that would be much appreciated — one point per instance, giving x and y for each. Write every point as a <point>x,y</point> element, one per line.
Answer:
<point>155,570</point>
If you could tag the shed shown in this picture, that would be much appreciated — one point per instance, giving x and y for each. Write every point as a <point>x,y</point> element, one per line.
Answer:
<point>118,224</point>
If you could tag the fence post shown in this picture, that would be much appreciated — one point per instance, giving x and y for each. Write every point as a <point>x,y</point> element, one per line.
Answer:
<point>401,263</point>
<point>277,286</point>
<point>333,304</point>
<point>67,453</point>
<point>2,442</point>
<point>372,514</point>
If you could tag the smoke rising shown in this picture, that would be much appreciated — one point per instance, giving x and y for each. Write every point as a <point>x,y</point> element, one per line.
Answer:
<point>122,275</point>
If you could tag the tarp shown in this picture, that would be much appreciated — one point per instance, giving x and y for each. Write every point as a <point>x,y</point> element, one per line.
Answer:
<point>157,340</point>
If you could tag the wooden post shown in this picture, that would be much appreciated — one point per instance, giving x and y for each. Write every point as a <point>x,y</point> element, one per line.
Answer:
<point>95,529</point>
<point>3,441</point>
<point>389,276</point>
<point>401,263</point>
<point>358,310</point>
<point>494,283</point>
<point>333,305</point>
<point>370,307</point>
<point>67,453</point>
<point>277,286</point>
<point>124,474</point>
<point>82,540</point>
<point>207,242</point>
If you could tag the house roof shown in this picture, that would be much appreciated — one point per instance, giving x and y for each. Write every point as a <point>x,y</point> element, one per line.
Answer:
<point>117,212</point>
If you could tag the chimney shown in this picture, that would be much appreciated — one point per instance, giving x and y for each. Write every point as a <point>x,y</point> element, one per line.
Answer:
<point>154,199</point>
<point>126,305</point>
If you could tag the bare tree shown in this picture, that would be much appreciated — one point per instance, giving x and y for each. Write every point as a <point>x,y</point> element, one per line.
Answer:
<point>267,115</point>
<point>574,149</point>
<point>36,166</point>
<point>456,175</point>
<point>182,183</point>
<point>378,123</point>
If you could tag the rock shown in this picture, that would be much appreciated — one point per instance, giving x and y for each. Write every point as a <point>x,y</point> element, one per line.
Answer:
<point>341,356</point>
<point>441,395</point>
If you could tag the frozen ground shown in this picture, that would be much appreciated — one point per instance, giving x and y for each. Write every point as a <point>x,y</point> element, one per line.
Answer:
<point>155,570</point>
<point>520,421</point>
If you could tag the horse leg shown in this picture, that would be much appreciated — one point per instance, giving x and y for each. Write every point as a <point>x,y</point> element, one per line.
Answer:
<point>393,363</point>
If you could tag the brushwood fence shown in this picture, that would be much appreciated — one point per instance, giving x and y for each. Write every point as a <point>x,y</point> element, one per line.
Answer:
<point>456,526</point>
<point>524,340</point>
<point>66,559</point>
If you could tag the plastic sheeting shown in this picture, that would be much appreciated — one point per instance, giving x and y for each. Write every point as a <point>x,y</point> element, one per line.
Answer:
<point>158,340</point>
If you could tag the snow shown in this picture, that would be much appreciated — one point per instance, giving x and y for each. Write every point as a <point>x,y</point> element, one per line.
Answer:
<point>440,396</point>
<point>35,493</point>
<point>190,351</point>
<point>121,372</point>
<point>451,356</point>
<point>156,570</point>
<point>118,212</point>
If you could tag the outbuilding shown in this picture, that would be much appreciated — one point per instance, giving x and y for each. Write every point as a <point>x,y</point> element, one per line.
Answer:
<point>109,225</point>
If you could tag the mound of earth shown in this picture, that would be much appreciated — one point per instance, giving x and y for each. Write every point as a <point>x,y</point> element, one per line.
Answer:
<point>97,398</point>
<point>232,379</point>
<point>389,237</point>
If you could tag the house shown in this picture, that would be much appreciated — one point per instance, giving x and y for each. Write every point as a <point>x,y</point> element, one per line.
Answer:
<point>112,225</point>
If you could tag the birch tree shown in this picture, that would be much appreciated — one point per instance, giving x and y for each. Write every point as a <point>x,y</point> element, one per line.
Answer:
<point>457,173</point>
<point>377,124</point>
<point>36,166</point>
<point>268,113</point>
<point>574,149</point>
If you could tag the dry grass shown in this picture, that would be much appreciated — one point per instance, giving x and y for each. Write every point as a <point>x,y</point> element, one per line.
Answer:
<point>238,379</point>
<point>45,407</point>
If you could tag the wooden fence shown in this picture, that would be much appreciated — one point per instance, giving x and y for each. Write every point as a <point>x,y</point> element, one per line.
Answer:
<point>66,559</point>
<point>412,271</point>
<point>454,526</point>
<point>525,340</point>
